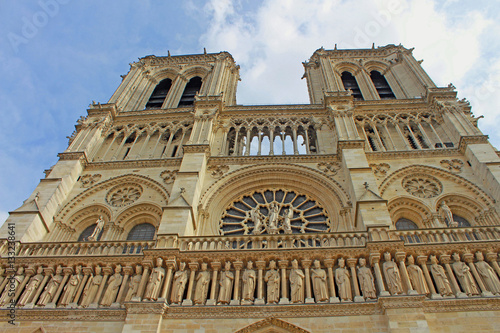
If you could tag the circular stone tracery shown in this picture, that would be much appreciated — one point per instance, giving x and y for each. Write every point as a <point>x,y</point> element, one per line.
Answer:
<point>422,186</point>
<point>268,212</point>
<point>123,195</point>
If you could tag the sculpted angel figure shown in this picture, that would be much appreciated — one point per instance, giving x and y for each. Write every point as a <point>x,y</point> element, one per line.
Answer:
<point>272,279</point>
<point>318,276</point>
<point>464,276</point>
<point>179,284</point>
<point>90,290</point>
<point>366,281</point>
<point>114,283</point>
<point>392,276</point>
<point>31,288</point>
<point>439,275</point>
<point>226,284</point>
<point>417,277</point>
<point>296,283</point>
<point>202,281</point>
<point>343,279</point>
<point>71,286</point>
<point>154,285</point>
<point>51,288</point>
<point>133,284</point>
<point>249,280</point>
<point>97,230</point>
<point>7,294</point>
<point>488,274</point>
<point>256,218</point>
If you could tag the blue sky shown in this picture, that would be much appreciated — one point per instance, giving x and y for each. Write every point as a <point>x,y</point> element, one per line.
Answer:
<point>59,55</point>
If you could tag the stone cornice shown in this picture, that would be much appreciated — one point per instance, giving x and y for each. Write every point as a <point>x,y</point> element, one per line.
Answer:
<point>134,164</point>
<point>472,139</point>
<point>416,153</point>
<point>78,155</point>
<point>159,115</point>
<point>64,314</point>
<point>185,59</point>
<point>245,160</point>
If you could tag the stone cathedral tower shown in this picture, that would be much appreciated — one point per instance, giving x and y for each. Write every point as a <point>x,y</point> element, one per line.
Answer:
<point>174,209</point>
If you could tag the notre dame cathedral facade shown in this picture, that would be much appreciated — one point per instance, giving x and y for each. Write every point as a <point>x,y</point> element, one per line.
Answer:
<point>375,208</point>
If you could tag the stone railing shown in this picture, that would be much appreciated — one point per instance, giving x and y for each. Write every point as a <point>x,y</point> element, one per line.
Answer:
<point>446,235</point>
<point>83,248</point>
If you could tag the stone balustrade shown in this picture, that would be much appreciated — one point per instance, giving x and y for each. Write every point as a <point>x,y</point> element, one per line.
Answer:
<point>446,235</point>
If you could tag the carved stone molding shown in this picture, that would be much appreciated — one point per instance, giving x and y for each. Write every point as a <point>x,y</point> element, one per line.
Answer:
<point>67,314</point>
<point>89,180</point>
<point>422,186</point>
<point>124,195</point>
<point>454,165</point>
<point>380,170</point>
<point>168,176</point>
<point>270,323</point>
<point>330,168</point>
<point>217,171</point>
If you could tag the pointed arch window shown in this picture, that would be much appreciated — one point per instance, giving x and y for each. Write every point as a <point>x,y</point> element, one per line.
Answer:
<point>159,94</point>
<point>349,82</point>
<point>405,224</point>
<point>380,83</point>
<point>192,87</point>
<point>87,232</point>
<point>144,231</point>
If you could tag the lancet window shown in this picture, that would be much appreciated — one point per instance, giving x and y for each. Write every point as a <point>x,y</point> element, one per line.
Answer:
<point>405,224</point>
<point>380,83</point>
<point>349,82</point>
<point>159,94</point>
<point>192,87</point>
<point>144,231</point>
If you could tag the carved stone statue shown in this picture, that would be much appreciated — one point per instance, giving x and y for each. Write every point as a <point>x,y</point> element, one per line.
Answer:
<point>417,277</point>
<point>343,279</point>
<point>296,283</point>
<point>226,284</point>
<point>154,285</point>
<point>71,287</point>
<point>31,288</point>
<point>256,218</point>
<point>366,281</point>
<point>249,281</point>
<point>51,288</point>
<point>202,282</point>
<point>179,284</point>
<point>488,274</point>
<point>133,284</point>
<point>91,288</point>
<point>273,219</point>
<point>318,276</point>
<point>440,277</point>
<point>7,293</point>
<point>287,221</point>
<point>392,276</point>
<point>447,214</point>
<point>464,276</point>
<point>272,279</point>
<point>114,283</point>
<point>97,230</point>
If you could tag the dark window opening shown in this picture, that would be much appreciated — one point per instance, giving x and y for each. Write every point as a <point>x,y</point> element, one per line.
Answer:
<point>372,143</point>
<point>412,142</point>
<point>130,139</point>
<point>87,232</point>
<point>380,83</point>
<point>159,94</point>
<point>192,87</point>
<point>462,223</point>
<point>405,224</point>
<point>126,153</point>
<point>144,231</point>
<point>174,151</point>
<point>350,82</point>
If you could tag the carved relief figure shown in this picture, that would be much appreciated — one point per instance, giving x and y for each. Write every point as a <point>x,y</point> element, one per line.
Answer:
<point>417,277</point>
<point>114,284</point>
<point>179,284</point>
<point>133,284</point>
<point>97,230</point>
<point>392,276</point>
<point>202,282</point>
<point>296,283</point>
<point>366,281</point>
<point>91,288</point>
<point>273,219</point>
<point>447,214</point>
<point>488,274</point>
<point>318,276</point>
<point>154,285</point>
<point>31,288</point>
<point>7,293</point>
<point>287,221</point>
<point>343,279</point>
<point>272,279</point>
<point>249,279</point>
<point>226,284</point>
<point>440,278</point>
<point>256,218</point>
<point>51,288</point>
<point>71,287</point>
<point>464,276</point>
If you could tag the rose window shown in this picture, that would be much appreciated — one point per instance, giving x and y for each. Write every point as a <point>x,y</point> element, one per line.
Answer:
<point>274,212</point>
<point>422,186</point>
<point>123,195</point>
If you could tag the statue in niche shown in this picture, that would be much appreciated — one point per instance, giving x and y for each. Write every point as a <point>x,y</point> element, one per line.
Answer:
<point>272,279</point>
<point>417,277</point>
<point>154,285</point>
<point>226,284</point>
<point>488,274</point>
<point>318,276</point>
<point>13,284</point>
<point>97,230</point>
<point>90,290</point>
<point>343,279</point>
<point>256,217</point>
<point>464,276</point>
<point>392,276</point>
<point>272,227</point>
<point>179,284</point>
<point>31,288</point>
<point>296,283</point>
<point>202,282</point>
<point>249,278</point>
<point>447,214</point>
<point>114,284</point>
<point>133,284</point>
<point>287,220</point>
<point>51,288</point>
<point>71,287</point>
<point>440,278</point>
<point>366,281</point>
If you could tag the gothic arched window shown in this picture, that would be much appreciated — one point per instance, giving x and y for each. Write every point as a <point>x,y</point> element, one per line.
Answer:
<point>405,224</point>
<point>87,232</point>
<point>380,83</point>
<point>349,82</point>
<point>144,231</point>
<point>159,94</point>
<point>462,223</point>
<point>192,87</point>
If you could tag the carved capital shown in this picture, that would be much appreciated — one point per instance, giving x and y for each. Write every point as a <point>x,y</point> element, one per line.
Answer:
<point>306,263</point>
<point>193,266</point>
<point>374,258</point>
<point>422,260</point>
<point>260,264</point>
<point>48,270</point>
<point>171,263</point>
<point>351,262</point>
<point>491,256</point>
<point>30,270</point>
<point>87,270</point>
<point>400,256</point>
<point>329,262</point>
<point>147,264</point>
<point>128,270</point>
<point>238,265</point>
<point>68,270</point>
<point>107,270</point>
<point>216,265</point>
<point>468,257</point>
<point>445,258</point>
<point>283,264</point>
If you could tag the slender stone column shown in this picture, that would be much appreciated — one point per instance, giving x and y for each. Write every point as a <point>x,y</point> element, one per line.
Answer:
<point>146,265</point>
<point>87,271</point>
<point>375,263</point>
<point>306,264</point>
<point>422,261</point>
<point>469,259</point>
<point>329,267</point>
<point>283,264</point>
<point>351,263</point>
<point>193,267</point>
<point>127,270</point>
<point>171,265</point>
<point>445,260</point>
<point>107,271</point>
<point>401,258</point>
<point>67,273</point>
<point>238,265</point>
<point>215,269</point>
<point>47,272</point>
<point>261,265</point>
